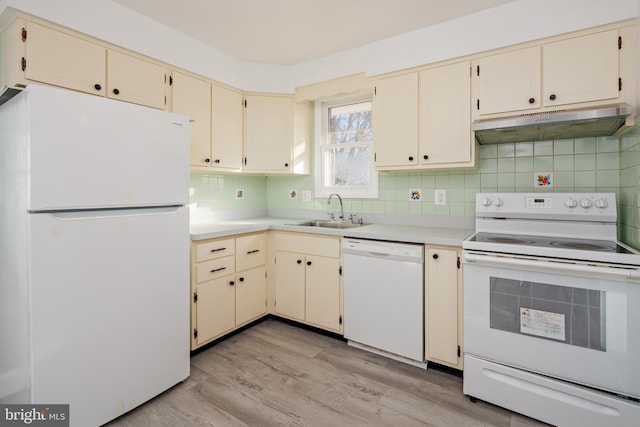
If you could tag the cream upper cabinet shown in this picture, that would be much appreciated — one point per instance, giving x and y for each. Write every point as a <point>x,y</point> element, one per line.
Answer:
<point>508,82</point>
<point>443,306</point>
<point>445,117</point>
<point>395,121</point>
<point>226,128</point>
<point>191,97</point>
<point>36,53</point>
<point>308,281</point>
<point>574,71</point>
<point>581,69</point>
<point>268,139</point>
<point>133,80</point>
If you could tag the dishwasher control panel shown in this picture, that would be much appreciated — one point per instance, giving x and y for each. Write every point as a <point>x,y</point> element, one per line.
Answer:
<point>376,248</point>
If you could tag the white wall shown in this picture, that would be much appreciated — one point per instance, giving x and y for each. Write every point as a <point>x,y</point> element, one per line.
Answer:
<point>514,22</point>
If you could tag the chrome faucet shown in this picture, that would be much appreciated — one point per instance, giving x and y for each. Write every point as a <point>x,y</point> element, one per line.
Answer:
<point>341,217</point>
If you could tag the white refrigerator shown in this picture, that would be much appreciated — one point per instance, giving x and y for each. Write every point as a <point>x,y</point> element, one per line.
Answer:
<point>94,253</point>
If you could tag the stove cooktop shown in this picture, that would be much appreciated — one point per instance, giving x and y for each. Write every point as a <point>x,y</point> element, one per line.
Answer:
<point>551,242</point>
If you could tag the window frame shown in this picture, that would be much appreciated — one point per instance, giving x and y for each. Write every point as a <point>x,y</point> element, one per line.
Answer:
<point>321,116</point>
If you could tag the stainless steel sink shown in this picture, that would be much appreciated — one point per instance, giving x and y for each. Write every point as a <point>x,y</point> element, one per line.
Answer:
<point>328,224</point>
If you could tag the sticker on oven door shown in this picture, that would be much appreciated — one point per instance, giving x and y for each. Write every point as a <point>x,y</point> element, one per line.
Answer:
<point>542,323</point>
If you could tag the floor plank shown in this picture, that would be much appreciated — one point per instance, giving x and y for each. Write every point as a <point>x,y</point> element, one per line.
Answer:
<point>276,374</point>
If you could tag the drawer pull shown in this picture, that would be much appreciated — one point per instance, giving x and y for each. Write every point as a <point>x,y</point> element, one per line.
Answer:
<point>218,269</point>
<point>253,251</point>
<point>218,250</point>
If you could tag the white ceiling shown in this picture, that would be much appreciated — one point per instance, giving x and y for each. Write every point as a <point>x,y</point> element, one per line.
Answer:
<point>293,31</point>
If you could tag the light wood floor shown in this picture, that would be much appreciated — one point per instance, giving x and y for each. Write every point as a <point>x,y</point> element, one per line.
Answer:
<point>277,374</point>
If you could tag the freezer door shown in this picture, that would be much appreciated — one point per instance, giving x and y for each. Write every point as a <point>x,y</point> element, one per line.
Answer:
<point>109,309</point>
<point>90,152</point>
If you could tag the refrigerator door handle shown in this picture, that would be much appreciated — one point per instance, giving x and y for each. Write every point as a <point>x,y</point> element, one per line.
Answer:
<point>116,212</point>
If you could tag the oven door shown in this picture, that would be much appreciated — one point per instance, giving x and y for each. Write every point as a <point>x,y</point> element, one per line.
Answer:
<point>579,324</point>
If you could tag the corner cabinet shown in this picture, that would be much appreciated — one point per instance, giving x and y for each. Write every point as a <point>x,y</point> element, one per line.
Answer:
<point>580,70</point>
<point>308,280</point>
<point>423,120</point>
<point>228,285</point>
<point>443,306</point>
<point>191,97</point>
<point>276,134</point>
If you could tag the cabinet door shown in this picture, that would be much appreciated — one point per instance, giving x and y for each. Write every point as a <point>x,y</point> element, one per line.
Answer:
<point>581,69</point>
<point>191,97</point>
<point>62,60</point>
<point>268,133</point>
<point>134,80</point>
<point>395,121</point>
<point>251,295</point>
<point>290,284</point>
<point>445,115</point>
<point>507,82</point>
<point>442,308</point>
<point>215,308</point>
<point>226,128</point>
<point>250,251</point>
<point>323,292</point>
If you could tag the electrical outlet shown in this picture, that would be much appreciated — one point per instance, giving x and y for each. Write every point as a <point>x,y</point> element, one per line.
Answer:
<point>441,197</point>
<point>306,196</point>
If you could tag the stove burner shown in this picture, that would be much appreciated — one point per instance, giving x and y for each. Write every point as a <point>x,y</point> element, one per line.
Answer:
<point>584,246</point>
<point>508,240</point>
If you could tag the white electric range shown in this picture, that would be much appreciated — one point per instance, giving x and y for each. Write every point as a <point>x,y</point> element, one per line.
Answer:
<point>551,328</point>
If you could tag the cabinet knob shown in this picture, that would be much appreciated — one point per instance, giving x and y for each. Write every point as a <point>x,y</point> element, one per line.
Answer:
<point>552,96</point>
<point>425,157</point>
<point>286,165</point>
<point>97,86</point>
<point>299,261</point>
<point>532,100</point>
<point>216,161</point>
<point>308,262</point>
<point>434,256</point>
<point>231,283</point>
<point>116,91</point>
<point>241,279</point>
<point>207,160</point>
<point>410,158</point>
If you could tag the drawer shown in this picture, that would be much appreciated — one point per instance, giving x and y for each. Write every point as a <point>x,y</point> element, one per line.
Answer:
<point>214,249</point>
<point>308,244</point>
<point>214,268</point>
<point>250,251</point>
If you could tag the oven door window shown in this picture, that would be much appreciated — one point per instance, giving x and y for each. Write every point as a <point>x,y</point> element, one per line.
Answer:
<point>574,316</point>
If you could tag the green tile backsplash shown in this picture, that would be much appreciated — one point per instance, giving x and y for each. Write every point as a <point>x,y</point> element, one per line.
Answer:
<point>588,164</point>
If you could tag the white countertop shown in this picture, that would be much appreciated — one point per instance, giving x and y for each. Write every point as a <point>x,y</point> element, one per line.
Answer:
<point>392,232</point>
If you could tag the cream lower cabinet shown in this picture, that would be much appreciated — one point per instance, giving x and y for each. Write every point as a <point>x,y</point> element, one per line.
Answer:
<point>308,282</point>
<point>228,285</point>
<point>443,306</point>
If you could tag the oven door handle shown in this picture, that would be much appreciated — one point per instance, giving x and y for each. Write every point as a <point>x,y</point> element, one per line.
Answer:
<point>561,267</point>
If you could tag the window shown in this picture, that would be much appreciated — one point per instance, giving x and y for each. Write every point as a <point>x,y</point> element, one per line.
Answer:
<point>344,149</point>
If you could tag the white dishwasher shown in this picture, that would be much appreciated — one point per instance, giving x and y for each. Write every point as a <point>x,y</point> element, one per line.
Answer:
<point>384,296</point>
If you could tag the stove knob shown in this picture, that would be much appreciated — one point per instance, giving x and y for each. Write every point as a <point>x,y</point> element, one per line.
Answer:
<point>498,202</point>
<point>586,203</point>
<point>486,201</point>
<point>601,203</point>
<point>571,203</point>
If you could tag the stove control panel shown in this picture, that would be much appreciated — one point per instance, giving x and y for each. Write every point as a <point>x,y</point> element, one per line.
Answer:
<point>563,206</point>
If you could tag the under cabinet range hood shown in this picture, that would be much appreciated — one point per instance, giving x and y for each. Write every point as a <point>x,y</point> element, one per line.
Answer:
<point>557,124</point>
